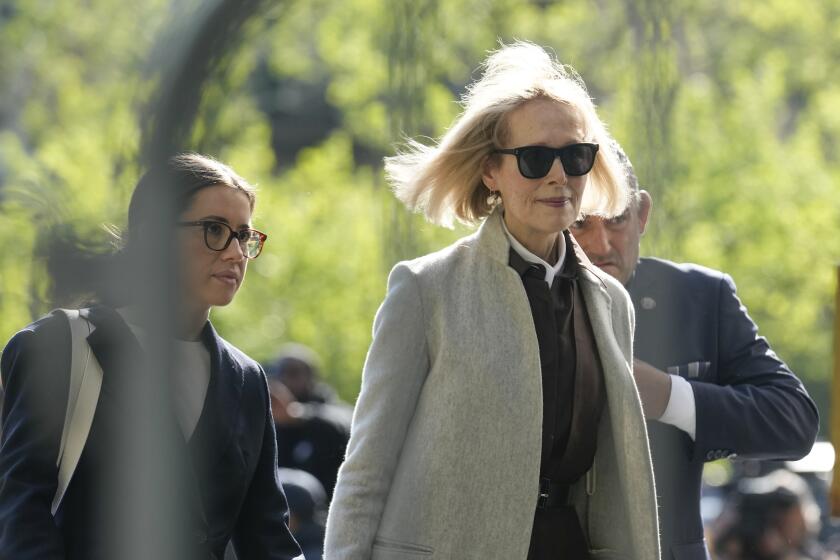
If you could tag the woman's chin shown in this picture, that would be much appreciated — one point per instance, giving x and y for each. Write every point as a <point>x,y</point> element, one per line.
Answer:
<point>555,219</point>
<point>552,227</point>
<point>223,300</point>
<point>220,298</point>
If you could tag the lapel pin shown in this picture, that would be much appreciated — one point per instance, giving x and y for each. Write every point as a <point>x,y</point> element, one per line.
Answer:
<point>648,303</point>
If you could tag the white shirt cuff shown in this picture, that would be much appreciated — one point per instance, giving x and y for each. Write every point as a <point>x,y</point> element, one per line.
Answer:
<point>681,411</point>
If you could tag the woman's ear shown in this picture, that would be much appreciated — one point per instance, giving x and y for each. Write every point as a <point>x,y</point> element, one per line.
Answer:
<point>489,169</point>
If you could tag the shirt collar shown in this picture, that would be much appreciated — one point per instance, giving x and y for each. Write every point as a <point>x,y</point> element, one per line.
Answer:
<point>528,256</point>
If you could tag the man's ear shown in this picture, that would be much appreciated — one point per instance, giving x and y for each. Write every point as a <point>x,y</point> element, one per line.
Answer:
<point>645,204</point>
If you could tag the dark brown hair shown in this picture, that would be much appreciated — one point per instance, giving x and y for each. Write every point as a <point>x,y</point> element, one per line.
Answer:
<point>83,275</point>
<point>187,174</point>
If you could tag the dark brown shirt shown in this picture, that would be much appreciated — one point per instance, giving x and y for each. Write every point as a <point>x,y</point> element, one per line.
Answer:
<point>573,390</point>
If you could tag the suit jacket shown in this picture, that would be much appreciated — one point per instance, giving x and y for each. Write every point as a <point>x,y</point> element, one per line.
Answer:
<point>690,322</point>
<point>233,452</point>
<point>444,453</point>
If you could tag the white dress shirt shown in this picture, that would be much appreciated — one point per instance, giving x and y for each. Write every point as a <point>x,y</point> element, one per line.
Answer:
<point>681,411</point>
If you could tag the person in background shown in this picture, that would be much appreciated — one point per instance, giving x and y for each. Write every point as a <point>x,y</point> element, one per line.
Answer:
<point>298,367</point>
<point>710,385</point>
<point>307,512</point>
<point>498,416</point>
<point>307,508</point>
<point>312,424</point>
<point>772,517</point>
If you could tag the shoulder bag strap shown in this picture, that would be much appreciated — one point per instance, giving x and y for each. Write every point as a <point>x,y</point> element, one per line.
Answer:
<point>85,384</point>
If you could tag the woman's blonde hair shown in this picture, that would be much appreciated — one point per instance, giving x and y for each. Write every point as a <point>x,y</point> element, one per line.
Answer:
<point>444,182</point>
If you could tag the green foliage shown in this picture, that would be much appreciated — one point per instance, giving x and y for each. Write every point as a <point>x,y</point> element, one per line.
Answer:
<point>729,111</point>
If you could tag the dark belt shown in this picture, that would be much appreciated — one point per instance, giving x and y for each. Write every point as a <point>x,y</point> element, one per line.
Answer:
<point>553,494</point>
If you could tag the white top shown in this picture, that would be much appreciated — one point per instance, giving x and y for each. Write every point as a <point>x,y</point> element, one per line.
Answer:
<point>190,376</point>
<point>522,251</point>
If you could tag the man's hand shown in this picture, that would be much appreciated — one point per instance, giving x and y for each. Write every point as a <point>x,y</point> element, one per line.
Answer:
<point>654,388</point>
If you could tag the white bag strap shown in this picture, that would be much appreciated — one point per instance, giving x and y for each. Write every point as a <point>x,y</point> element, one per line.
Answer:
<point>85,384</point>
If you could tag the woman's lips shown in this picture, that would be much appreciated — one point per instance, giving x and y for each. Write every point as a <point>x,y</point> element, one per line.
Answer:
<point>227,278</point>
<point>555,202</point>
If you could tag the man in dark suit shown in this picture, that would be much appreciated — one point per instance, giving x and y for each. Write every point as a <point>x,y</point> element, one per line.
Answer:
<point>711,386</point>
<point>312,424</point>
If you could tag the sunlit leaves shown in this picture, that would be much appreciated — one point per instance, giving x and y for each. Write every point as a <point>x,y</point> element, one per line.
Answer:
<point>730,111</point>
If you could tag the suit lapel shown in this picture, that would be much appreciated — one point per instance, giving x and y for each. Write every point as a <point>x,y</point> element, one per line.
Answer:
<point>215,426</point>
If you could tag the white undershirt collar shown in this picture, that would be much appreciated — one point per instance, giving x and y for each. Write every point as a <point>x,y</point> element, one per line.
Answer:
<point>522,251</point>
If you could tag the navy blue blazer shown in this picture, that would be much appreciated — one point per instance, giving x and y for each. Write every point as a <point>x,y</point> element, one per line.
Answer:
<point>690,322</point>
<point>231,487</point>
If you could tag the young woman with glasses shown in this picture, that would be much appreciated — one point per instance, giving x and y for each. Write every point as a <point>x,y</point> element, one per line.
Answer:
<point>213,406</point>
<point>498,417</point>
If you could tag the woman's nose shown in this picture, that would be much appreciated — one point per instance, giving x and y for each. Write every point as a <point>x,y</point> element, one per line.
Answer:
<point>557,172</point>
<point>234,251</point>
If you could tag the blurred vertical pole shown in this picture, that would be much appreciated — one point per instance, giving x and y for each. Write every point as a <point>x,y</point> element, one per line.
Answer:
<point>835,399</point>
<point>162,516</point>
<point>408,61</point>
<point>650,148</point>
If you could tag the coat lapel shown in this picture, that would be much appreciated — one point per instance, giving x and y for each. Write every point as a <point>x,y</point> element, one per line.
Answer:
<point>491,238</point>
<point>631,456</point>
<point>618,375</point>
<point>618,378</point>
<point>599,305</point>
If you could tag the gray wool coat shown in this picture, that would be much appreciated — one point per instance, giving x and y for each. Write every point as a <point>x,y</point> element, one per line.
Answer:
<point>444,454</point>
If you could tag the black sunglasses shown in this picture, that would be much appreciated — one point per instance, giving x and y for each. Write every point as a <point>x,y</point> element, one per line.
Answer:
<point>218,235</point>
<point>535,161</point>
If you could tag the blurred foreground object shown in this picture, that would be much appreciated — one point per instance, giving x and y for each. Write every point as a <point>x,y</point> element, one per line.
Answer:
<point>835,399</point>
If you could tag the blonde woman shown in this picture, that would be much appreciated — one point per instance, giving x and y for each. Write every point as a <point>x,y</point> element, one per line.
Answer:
<point>498,417</point>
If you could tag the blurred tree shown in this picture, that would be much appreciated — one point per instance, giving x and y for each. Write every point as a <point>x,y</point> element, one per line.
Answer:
<point>727,109</point>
